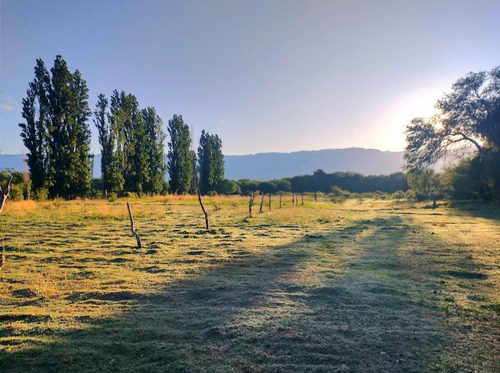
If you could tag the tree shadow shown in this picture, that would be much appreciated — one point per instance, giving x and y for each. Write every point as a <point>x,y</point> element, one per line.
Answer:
<point>242,316</point>
<point>490,211</point>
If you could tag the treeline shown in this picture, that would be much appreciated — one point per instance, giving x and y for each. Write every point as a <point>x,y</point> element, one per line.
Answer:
<point>57,134</point>
<point>319,181</point>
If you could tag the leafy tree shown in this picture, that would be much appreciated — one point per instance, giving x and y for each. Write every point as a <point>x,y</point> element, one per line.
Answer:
<point>248,186</point>
<point>155,138</point>
<point>83,160</point>
<point>195,179</point>
<point>463,180</point>
<point>56,132</point>
<point>283,185</point>
<point>132,142</point>
<point>105,137</point>
<point>267,187</point>
<point>467,117</point>
<point>425,183</point>
<point>228,187</point>
<point>210,162</point>
<point>180,158</point>
<point>34,132</point>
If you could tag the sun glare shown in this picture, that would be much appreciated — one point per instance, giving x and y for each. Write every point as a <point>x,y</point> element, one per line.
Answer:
<point>403,109</point>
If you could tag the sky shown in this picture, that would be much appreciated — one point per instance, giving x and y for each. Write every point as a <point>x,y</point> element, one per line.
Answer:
<point>266,76</point>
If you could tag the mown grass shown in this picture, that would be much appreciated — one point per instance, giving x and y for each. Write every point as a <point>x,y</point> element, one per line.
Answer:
<point>363,286</point>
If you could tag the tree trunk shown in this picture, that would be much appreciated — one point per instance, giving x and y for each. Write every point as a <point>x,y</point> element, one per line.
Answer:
<point>203,209</point>
<point>315,196</point>
<point>293,199</point>
<point>4,193</point>
<point>280,200</point>
<point>261,203</point>
<point>250,204</point>
<point>132,228</point>
<point>302,195</point>
<point>270,195</point>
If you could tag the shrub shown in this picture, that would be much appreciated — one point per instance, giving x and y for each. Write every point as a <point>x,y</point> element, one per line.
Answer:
<point>129,195</point>
<point>41,194</point>
<point>112,197</point>
<point>399,195</point>
<point>16,192</point>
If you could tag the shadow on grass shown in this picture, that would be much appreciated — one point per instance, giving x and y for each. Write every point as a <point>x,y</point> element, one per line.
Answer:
<point>490,211</point>
<point>242,316</point>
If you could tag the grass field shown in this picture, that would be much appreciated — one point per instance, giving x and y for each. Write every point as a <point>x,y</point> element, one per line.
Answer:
<point>365,286</point>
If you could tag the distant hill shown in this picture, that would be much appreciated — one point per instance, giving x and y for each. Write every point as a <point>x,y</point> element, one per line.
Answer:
<point>267,166</point>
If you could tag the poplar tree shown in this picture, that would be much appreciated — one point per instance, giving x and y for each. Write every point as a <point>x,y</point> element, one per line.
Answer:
<point>210,162</point>
<point>34,131</point>
<point>155,139</point>
<point>180,156</point>
<point>56,132</point>
<point>81,167</point>
<point>132,142</point>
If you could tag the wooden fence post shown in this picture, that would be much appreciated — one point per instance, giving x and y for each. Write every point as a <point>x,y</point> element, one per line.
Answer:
<point>261,202</point>
<point>250,204</point>
<point>203,209</point>
<point>132,228</point>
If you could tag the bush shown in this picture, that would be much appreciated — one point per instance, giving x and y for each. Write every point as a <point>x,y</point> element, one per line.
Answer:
<point>399,195</point>
<point>112,197</point>
<point>411,196</point>
<point>165,188</point>
<point>338,192</point>
<point>41,194</point>
<point>16,192</point>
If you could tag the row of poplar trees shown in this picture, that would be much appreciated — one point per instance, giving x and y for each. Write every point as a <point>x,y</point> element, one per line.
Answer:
<point>57,134</point>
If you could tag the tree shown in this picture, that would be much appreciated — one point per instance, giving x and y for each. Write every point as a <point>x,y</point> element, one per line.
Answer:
<point>210,162</point>
<point>467,117</point>
<point>155,138</point>
<point>56,132</point>
<point>425,183</point>
<point>34,132</point>
<point>132,145</point>
<point>83,160</point>
<point>283,185</point>
<point>105,137</point>
<point>266,187</point>
<point>247,186</point>
<point>180,158</point>
<point>228,187</point>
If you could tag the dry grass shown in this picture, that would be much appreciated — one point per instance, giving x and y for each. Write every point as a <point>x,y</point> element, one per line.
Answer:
<point>362,286</point>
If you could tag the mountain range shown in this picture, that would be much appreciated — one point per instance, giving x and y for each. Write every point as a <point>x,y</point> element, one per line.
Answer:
<point>268,166</point>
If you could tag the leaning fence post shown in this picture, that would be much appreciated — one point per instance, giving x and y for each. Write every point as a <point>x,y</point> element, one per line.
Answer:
<point>203,209</point>
<point>132,228</point>
<point>261,202</point>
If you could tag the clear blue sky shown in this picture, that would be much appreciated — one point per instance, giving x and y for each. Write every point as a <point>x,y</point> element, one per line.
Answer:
<point>264,75</point>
